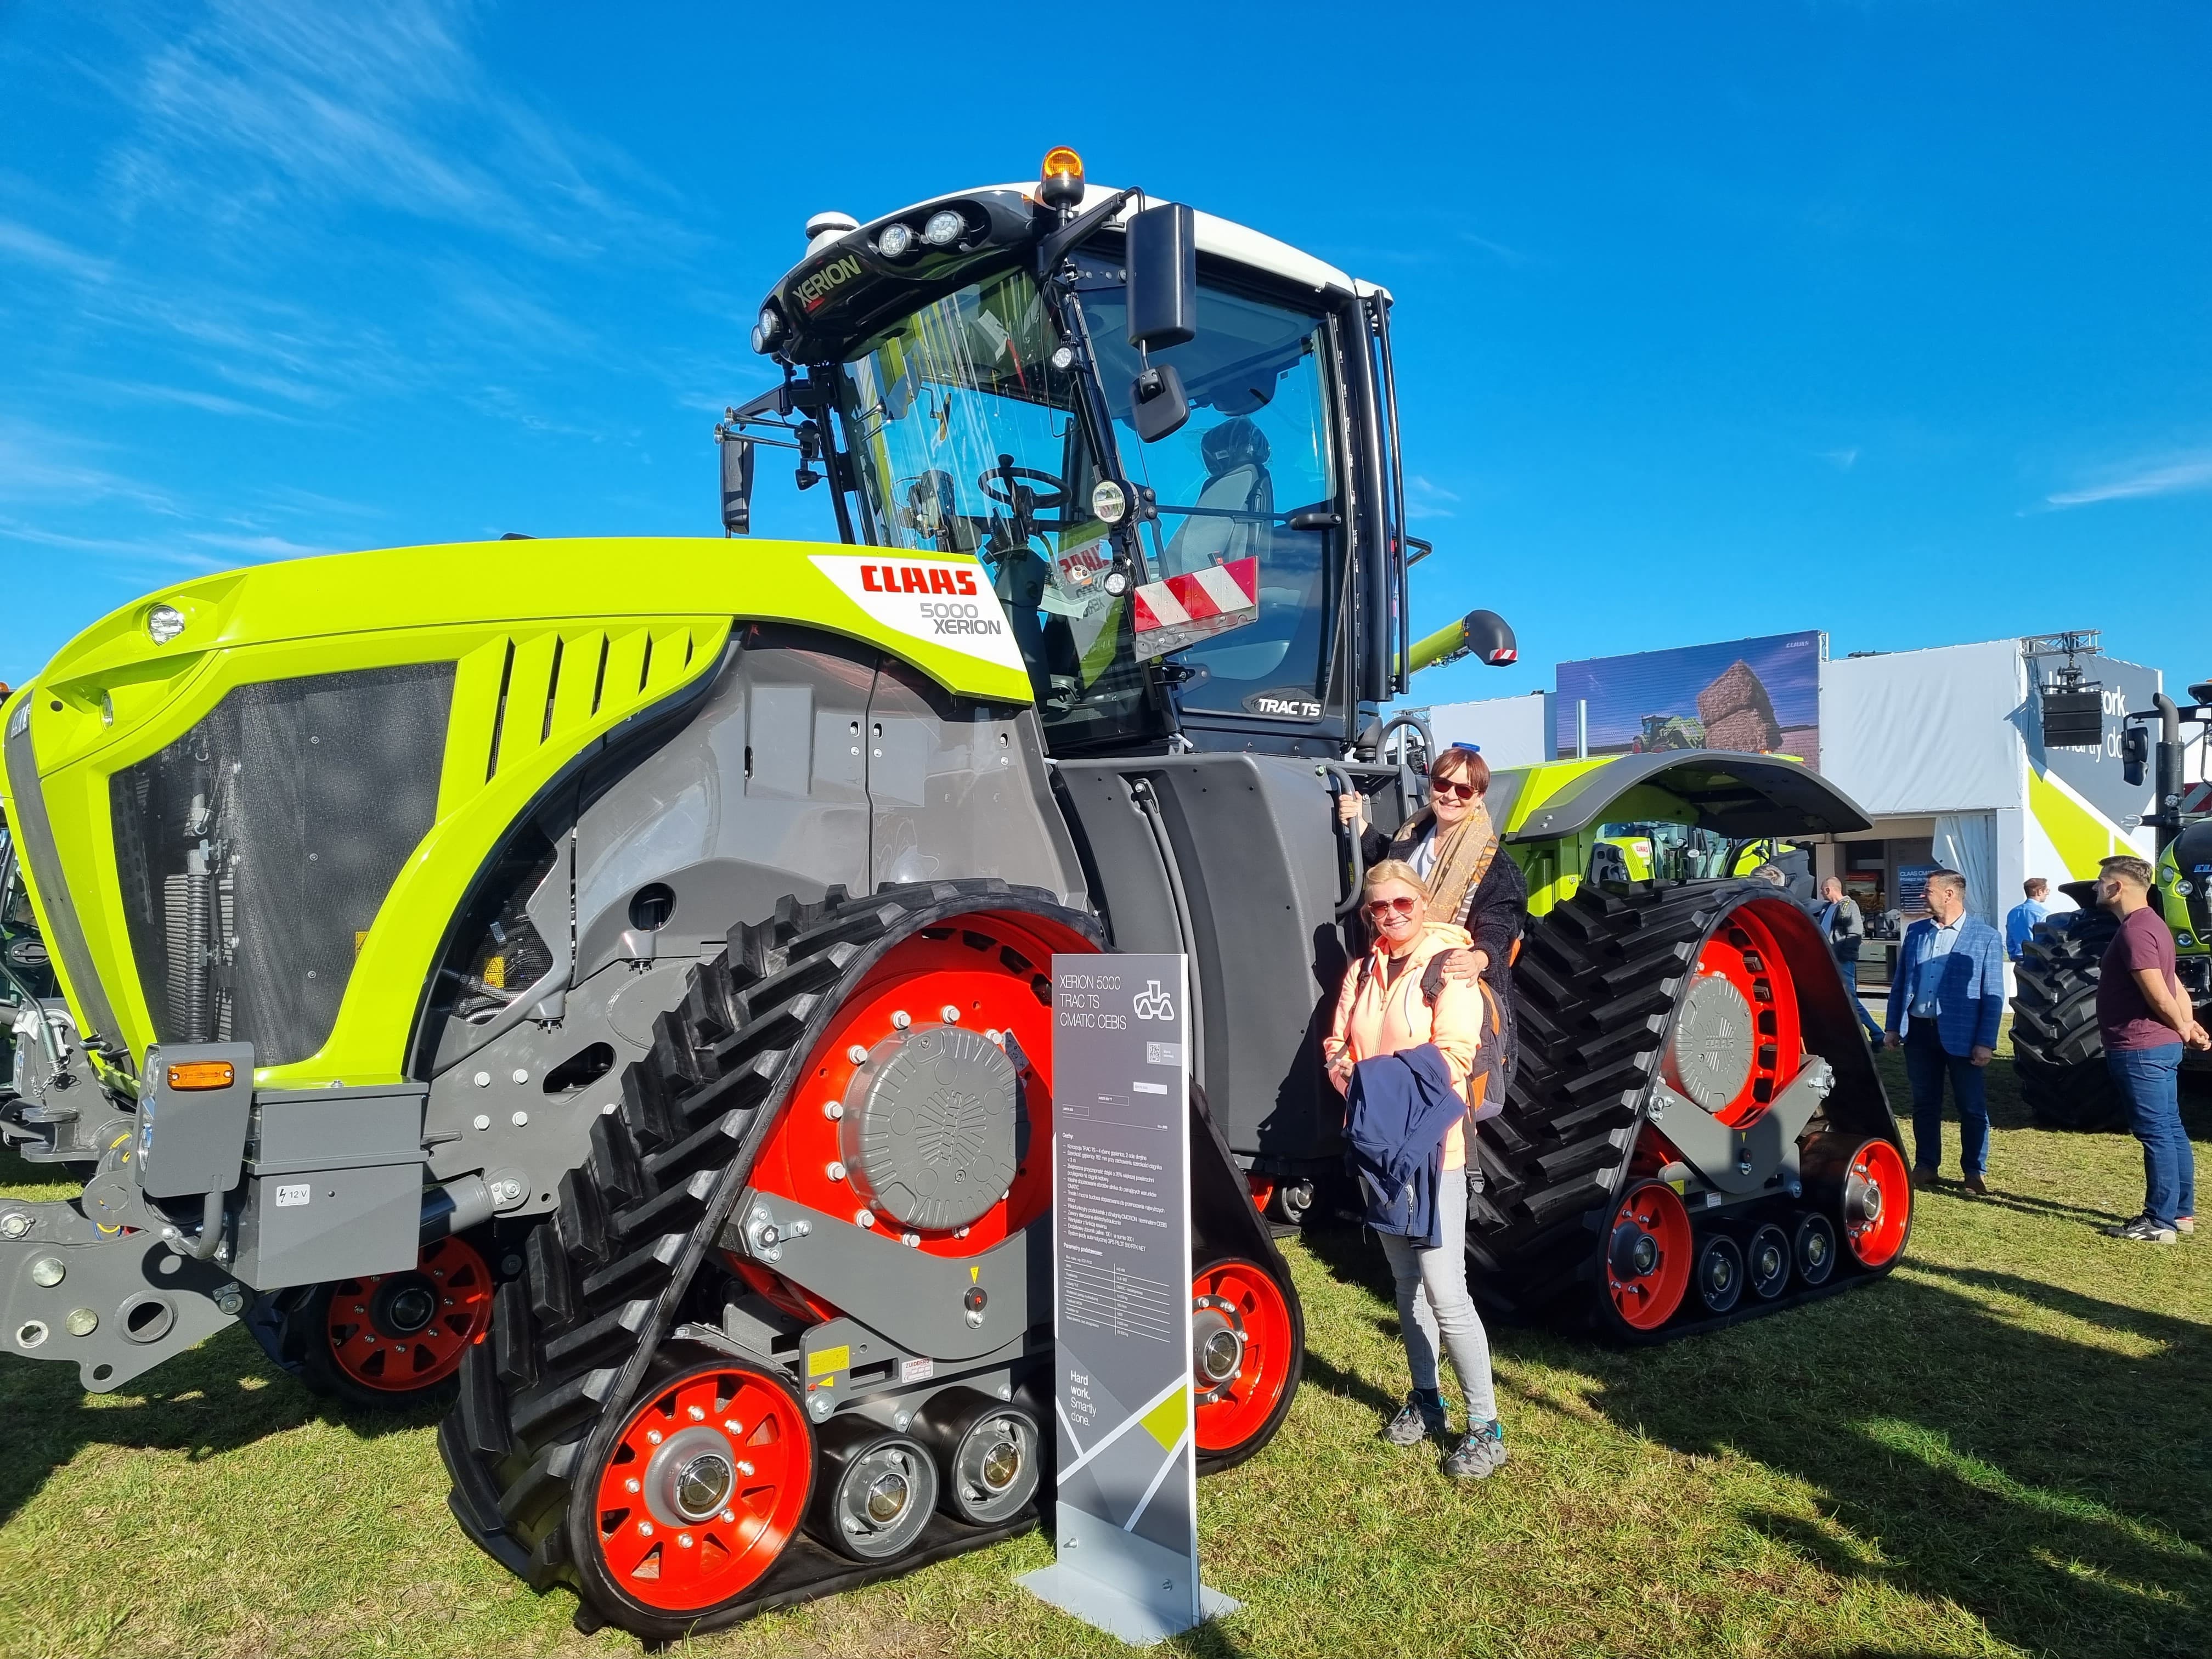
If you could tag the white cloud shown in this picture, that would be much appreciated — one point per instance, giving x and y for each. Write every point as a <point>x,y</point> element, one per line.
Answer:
<point>1842,459</point>
<point>2165,476</point>
<point>21,243</point>
<point>1426,500</point>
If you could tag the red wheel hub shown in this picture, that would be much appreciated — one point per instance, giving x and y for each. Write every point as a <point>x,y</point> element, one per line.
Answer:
<point>1647,1260</point>
<point>1736,1042</point>
<point>405,1331</point>
<point>992,970</point>
<point>1241,1352</point>
<point>1877,1203</point>
<point>706,1483</point>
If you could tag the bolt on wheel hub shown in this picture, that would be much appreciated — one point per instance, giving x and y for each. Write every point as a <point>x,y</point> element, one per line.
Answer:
<point>1217,1345</point>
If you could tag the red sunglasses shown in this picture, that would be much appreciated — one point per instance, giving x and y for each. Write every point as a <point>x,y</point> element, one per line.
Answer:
<point>1400,907</point>
<point>1464,791</point>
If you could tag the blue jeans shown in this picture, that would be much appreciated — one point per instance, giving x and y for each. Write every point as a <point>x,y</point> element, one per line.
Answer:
<point>1926,1065</point>
<point>2149,1078</point>
<point>1849,967</point>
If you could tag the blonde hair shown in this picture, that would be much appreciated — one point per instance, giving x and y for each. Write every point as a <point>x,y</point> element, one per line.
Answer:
<point>1394,870</point>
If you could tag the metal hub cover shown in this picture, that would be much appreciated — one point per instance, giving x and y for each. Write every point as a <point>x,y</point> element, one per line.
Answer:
<point>690,1476</point>
<point>1708,1056</point>
<point>930,1125</point>
<point>994,1470</point>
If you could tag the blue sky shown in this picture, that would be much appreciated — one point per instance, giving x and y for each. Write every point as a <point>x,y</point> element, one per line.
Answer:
<point>1893,320</point>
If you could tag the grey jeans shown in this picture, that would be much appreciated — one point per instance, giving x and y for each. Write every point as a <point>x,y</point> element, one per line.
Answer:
<point>1433,1303</point>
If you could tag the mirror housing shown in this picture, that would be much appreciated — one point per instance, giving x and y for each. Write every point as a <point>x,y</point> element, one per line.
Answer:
<point>1157,403</point>
<point>737,483</point>
<point>2135,755</point>
<point>1162,258</point>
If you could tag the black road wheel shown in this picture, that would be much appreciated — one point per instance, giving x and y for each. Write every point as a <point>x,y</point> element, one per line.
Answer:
<point>1766,1261</point>
<point>1719,1276</point>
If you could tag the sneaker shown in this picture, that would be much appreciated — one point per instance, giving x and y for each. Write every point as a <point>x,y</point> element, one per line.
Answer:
<point>1479,1455</point>
<point>2144,1230</point>
<point>2184,1223</point>
<point>1416,1421</point>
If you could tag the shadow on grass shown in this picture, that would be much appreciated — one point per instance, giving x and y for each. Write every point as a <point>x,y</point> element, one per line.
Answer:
<point>217,1397</point>
<point>2056,1489</point>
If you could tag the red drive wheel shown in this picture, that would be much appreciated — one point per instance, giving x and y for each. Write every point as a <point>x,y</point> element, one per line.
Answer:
<point>383,1338</point>
<point>1877,1204</point>
<point>1245,1353</point>
<point>1735,1043</point>
<point>1647,1256</point>
<point>707,1483</point>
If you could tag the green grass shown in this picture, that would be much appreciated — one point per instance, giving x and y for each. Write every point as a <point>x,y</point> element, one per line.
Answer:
<point>2003,1448</point>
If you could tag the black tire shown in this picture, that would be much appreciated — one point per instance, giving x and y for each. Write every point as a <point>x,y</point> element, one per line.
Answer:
<point>1594,990</point>
<point>2058,1053</point>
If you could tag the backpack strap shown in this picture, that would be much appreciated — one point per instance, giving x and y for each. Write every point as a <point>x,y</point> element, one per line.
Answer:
<point>1432,978</point>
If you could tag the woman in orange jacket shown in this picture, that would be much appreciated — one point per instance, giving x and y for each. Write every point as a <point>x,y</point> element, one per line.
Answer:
<point>1390,1002</point>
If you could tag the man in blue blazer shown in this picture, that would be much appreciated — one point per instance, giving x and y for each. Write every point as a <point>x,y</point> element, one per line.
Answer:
<point>1944,1001</point>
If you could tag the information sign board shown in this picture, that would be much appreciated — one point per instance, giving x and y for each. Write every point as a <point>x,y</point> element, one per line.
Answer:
<point>1126,1510</point>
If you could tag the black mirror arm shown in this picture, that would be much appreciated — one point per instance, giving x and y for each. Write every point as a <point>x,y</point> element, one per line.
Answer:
<point>1079,229</point>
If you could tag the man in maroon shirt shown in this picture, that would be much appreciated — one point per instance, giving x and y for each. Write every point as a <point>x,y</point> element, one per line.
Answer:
<point>2146,1020</point>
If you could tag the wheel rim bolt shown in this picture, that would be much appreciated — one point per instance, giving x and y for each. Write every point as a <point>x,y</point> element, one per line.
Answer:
<point>684,1539</point>
<point>900,1019</point>
<point>856,1053</point>
<point>698,1414</point>
<point>645,1529</point>
<point>744,1468</point>
<point>653,1435</point>
<point>951,1014</point>
<point>632,1486</point>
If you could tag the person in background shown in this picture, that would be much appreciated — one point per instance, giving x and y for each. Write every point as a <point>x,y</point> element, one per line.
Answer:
<point>1392,1003</point>
<point>2146,1020</point>
<point>2020,920</point>
<point>1944,1003</point>
<point>1452,846</point>
<point>1841,920</point>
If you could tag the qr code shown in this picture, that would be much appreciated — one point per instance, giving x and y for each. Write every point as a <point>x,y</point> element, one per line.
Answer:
<point>1163,1054</point>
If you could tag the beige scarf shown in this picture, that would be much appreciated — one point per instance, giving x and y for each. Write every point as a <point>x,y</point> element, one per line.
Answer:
<point>1463,855</point>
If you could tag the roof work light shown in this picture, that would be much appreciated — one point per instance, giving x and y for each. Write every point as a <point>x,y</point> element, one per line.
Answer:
<point>1059,180</point>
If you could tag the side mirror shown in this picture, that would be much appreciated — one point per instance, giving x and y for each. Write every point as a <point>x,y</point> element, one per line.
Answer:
<point>1157,403</point>
<point>737,483</point>
<point>1163,284</point>
<point>2135,753</point>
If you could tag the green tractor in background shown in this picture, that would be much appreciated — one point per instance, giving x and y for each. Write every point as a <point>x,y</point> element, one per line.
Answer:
<point>2057,1047</point>
<point>604,984</point>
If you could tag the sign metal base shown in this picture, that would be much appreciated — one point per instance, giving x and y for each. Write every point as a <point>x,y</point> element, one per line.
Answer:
<point>1140,1623</point>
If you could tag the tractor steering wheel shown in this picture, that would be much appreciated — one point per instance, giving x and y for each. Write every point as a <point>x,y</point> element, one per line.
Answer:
<point>1011,477</point>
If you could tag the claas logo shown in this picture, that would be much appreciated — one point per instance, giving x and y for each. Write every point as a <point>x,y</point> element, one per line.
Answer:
<point>917,579</point>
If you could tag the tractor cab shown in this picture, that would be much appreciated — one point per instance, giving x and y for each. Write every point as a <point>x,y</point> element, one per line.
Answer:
<point>1169,440</point>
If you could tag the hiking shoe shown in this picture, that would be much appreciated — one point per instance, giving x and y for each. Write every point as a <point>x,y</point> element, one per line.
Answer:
<point>1479,1455</point>
<point>1416,1421</point>
<point>2144,1230</point>
<point>1977,1186</point>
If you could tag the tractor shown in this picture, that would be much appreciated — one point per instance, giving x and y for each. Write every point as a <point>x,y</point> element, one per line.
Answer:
<point>2057,1046</point>
<point>604,983</point>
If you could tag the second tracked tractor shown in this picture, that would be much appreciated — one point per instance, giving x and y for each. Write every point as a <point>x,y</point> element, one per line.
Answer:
<point>604,983</point>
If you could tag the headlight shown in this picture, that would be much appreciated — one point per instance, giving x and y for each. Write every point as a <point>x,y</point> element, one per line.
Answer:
<point>1063,357</point>
<point>164,622</point>
<point>766,331</point>
<point>1108,502</point>
<point>896,242</point>
<point>943,228</point>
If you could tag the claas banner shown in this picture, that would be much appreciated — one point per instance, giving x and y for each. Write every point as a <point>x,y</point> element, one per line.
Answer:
<point>1760,695</point>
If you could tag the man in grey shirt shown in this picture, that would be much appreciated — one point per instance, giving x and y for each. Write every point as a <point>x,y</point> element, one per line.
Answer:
<point>1845,927</point>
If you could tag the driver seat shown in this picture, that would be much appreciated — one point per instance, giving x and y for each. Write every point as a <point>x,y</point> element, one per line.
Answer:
<point>1237,480</point>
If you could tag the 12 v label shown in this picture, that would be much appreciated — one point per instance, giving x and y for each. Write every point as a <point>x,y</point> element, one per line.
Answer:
<point>290,1197</point>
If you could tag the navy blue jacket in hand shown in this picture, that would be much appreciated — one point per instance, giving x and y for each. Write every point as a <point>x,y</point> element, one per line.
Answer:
<point>1396,1115</point>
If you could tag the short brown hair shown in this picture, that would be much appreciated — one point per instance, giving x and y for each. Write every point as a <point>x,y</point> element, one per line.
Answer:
<point>2128,867</point>
<point>2035,887</point>
<point>1459,759</point>
<point>1950,879</point>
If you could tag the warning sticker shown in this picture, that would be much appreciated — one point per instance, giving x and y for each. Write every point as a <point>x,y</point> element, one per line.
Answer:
<point>822,1360</point>
<point>291,1197</point>
<point>947,602</point>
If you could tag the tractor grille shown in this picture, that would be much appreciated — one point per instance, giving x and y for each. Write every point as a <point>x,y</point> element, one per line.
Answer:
<point>255,851</point>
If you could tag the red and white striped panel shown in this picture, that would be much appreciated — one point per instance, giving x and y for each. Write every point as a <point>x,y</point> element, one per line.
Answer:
<point>1176,613</point>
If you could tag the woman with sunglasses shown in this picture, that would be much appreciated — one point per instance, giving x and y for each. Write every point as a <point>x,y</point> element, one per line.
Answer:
<point>1390,1002</point>
<point>1452,847</point>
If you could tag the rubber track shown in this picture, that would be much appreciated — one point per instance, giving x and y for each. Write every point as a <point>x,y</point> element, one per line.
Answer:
<point>605,1273</point>
<point>2057,1051</point>
<point>1595,987</point>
